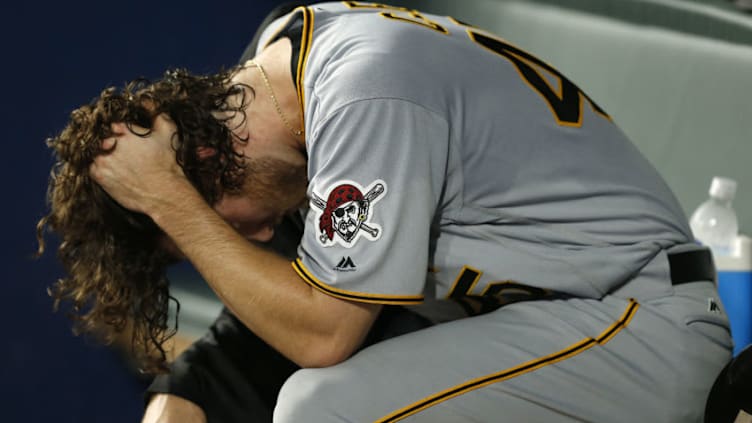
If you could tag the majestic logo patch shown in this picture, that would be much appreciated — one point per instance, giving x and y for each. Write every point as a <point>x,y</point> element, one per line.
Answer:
<point>345,265</point>
<point>346,213</point>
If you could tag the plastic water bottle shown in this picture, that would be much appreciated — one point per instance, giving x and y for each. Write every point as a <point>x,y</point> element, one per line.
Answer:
<point>735,290</point>
<point>714,223</point>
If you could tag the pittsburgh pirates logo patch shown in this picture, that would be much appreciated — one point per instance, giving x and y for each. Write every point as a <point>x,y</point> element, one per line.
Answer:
<point>347,211</point>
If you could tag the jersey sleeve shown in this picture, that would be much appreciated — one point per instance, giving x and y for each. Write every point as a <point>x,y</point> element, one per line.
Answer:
<point>376,169</point>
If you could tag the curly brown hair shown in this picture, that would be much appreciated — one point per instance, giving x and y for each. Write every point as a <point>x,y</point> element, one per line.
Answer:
<point>115,265</point>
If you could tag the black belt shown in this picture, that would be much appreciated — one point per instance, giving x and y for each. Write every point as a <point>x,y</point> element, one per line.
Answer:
<point>691,266</point>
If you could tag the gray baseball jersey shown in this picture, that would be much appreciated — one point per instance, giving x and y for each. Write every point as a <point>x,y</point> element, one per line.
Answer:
<point>445,162</point>
<point>466,156</point>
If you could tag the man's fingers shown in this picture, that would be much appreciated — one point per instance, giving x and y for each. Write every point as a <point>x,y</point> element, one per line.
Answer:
<point>162,124</point>
<point>165,126</point>
<point>123,130</point>
<point>100,170</point>
<point>119,128</point>
<point>94,171</point>
<point>163,121</point>
<point>109,143</point>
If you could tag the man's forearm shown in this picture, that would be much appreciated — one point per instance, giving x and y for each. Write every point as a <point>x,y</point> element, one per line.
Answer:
<point>260,287</point>
<point>165,408</point>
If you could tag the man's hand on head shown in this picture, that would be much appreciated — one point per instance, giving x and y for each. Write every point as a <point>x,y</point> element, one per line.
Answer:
<point>139,171</point>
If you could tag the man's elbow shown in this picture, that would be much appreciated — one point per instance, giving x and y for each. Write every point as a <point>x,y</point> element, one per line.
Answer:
<point>343,337</point>
<point>327,352</point>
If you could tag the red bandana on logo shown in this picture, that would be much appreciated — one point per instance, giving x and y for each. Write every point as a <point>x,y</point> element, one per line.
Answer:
<point>346,212</point>
<point>337,197</point>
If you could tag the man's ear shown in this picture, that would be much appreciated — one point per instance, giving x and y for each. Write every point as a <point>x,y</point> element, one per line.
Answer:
<point>205,152</point>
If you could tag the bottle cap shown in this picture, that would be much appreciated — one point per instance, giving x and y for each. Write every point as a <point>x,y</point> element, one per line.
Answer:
<point>723,188</point>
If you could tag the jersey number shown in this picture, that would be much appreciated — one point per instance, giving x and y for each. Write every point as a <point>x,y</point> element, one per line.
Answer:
<point>495,294</point>
<point>565,102</point>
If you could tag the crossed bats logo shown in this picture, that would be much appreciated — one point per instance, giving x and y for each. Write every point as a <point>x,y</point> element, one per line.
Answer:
<point>346,212</point>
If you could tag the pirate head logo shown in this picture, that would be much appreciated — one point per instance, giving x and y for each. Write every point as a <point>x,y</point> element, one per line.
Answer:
<point>346,212</point>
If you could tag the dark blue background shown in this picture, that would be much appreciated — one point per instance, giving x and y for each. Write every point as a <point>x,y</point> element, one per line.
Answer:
<point>56,56</point>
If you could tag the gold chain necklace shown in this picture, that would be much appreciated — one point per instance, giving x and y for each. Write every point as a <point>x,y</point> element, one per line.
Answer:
<point>296,132</point>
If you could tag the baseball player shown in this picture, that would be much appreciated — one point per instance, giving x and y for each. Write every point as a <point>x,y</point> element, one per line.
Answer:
<point>460,192</point>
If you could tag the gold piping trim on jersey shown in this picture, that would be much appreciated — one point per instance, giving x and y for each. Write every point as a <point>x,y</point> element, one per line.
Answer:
<point>301,270</point>
<point>417,18</point>
<point>363,5</point>
<point>523,368</point>
<point>305,48</point>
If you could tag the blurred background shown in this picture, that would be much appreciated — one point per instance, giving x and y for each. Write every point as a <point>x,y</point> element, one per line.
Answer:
<point>675,74</point>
